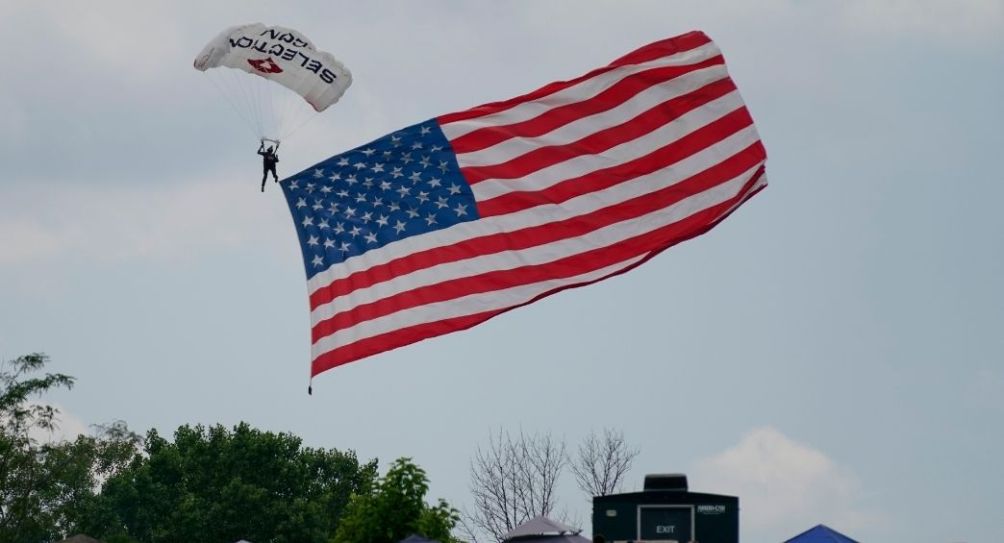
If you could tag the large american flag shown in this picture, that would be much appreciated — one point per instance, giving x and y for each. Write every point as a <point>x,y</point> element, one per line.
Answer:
<point>444,224</point>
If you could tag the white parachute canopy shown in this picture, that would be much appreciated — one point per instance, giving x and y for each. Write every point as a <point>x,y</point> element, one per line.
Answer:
<point>274,56</point>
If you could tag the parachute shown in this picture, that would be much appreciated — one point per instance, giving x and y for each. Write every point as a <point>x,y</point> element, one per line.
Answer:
<point>285,79</point>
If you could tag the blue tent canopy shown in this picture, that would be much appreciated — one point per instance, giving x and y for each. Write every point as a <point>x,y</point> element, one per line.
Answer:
<point>821,534</point>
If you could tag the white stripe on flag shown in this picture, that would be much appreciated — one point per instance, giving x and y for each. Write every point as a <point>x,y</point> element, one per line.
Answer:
<point>459,307</point>
<point>625,152</point>
<point>603,237</point>
<point>670,175</point>
<point>582,127</point>
<point>580,91</point>
<point>509,297</point>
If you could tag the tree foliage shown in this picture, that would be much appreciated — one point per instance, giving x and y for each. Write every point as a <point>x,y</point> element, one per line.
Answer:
<point>206,484</point>
<point>76,470</point>
<point>17,414</point>
<point>47,489</point>
<point>26,481</point>
<point>215,484</point>
<point>395,508</point>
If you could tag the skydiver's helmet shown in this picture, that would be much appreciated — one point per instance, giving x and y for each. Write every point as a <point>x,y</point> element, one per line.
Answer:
<point>270,148</point>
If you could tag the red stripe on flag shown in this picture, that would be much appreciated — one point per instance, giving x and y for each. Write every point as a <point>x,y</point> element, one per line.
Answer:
<point>511,241</point>
<point>392,340</point>
<point>607,177</point>
<point>575,264</point>
<point>667,47</point>
<point>608,99</point>
<point>664,48</point>
<point>412,334</point>
<point>602,140</point>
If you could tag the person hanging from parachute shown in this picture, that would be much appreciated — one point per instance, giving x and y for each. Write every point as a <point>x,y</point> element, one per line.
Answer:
<point>257,60</point>
<point>269,158</point>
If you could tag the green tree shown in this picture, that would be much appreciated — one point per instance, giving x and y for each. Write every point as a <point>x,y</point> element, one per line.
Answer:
<point>48,489</point>
<point>79,469</point>
<point>214,484</point>
<point>25,514</point>
<point>395,508</point>
<point>208,484</point>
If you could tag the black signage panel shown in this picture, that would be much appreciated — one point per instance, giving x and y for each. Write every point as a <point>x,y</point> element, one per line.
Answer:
<point>663,523</point>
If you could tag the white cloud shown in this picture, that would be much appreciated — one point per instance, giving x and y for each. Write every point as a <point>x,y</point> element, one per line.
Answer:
<point>962,22</point>
<point>23,241</point>
<point>958,23</point>
<point>784,486</point>
<point>113,34</point>
<point>168,220</point>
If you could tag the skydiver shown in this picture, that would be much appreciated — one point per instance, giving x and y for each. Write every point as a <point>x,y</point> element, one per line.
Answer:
<point>268,160</point>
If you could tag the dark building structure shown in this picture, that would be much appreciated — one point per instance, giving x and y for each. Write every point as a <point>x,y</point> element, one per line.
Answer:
<point>666,511</point>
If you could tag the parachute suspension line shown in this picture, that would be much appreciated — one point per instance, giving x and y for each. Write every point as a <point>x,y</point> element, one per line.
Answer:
<point>254,85</point>
<point>230,100</point>
<point>292,107</point>
<point>269,109</point>
<point>296,113</point>
<point>267,112</point>
<point>228,87</point>
<point>280,107</point>
<point>274,110</point>
<point>254,98</point>
<point>278,102</point>
<point>238,86</point>
<point>302,123</point>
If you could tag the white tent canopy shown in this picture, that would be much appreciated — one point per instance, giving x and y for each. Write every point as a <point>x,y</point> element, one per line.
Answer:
<point>543,529</point>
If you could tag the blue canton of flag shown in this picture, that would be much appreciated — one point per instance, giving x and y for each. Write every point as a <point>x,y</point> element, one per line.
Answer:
<point>400,185</point>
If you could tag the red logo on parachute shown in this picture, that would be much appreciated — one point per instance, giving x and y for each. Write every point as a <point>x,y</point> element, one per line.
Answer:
<point>265,65</point>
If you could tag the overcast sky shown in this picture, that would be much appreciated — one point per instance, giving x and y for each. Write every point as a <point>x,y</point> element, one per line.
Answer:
<point>831,353</point>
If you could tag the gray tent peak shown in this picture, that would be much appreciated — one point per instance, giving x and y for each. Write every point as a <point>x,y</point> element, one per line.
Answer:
<point>540,526</point>
<point>415,538</point>
<point>80,538</point>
